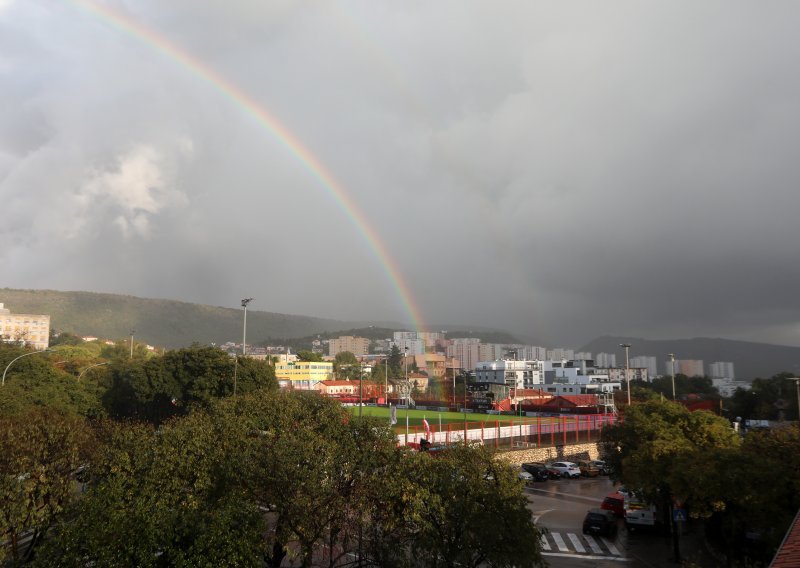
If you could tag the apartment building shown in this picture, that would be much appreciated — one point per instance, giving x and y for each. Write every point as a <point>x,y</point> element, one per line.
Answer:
<point>29,329</point>
<point>358,346</point>
<point>689,367</point>
<point>645,361</point>
<point>303,375</point>
<point>721,370</point>
<point>515,374</point>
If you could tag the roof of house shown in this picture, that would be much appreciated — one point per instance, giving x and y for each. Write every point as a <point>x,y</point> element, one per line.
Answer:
<point>336,383</point>
<point>788,554</point>
<point>573,400</point>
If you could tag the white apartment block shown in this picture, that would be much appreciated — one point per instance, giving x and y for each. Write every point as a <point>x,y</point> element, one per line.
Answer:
<point>30,329</point>
<point>530,352</point>
<point>560,354</point>
<point>606,360</point>
<point>517,374</point>
<point>618,375</point>
<point>358,346</point>
<point>721,370</point>
<point>647,361</point>
<point>412,346</point>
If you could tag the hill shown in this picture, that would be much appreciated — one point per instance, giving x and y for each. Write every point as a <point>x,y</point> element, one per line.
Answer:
<point>165,323</point>
<point>750,359</point>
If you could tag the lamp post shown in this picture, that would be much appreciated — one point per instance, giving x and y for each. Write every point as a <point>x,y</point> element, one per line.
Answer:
<point>405,365</point>
<point>92,367</point>
<point>244,325</point>
<point>386,380</point>
<point>672,360</point>
<point>133,331</point>
<point>361,389</point>
<point>627,346</point>
<point>20,357</point>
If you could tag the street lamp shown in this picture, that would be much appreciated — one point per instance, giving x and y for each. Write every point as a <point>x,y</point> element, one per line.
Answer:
<point>133,331</point>
<point>672,359</point>
<point>405,365</point>
<point>244,326</point>
<point>3,383</point>
<point>361,389</point>
<point>92,367</point>
<point>627,346</point>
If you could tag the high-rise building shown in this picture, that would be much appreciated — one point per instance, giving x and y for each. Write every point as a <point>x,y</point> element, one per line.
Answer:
<point>721,370</point>
<point>514,374</point>
<point>30,329</point>
<point>358,346</point>
<point>690,367</point>
<point>646,361</point>
<point>606,360</point>
<point>465,352</point>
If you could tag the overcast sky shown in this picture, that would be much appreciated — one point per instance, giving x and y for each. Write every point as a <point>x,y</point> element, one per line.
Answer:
<point>559,170</point>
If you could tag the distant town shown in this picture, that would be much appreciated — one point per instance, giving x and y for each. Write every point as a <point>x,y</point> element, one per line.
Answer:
<point>501,376</point>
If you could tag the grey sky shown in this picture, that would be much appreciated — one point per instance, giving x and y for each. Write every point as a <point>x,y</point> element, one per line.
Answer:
<point>559,170</point>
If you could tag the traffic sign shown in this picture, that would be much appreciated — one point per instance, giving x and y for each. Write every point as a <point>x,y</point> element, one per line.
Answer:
<point>679,515</point>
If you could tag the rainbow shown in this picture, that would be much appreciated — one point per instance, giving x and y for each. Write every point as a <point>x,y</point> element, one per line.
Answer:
<point>289,141</point>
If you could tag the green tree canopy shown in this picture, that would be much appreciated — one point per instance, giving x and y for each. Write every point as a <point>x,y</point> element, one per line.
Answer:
<point>308,356</point>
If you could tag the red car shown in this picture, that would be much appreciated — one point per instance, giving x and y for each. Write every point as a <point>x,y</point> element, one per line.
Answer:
<point>614,502</point>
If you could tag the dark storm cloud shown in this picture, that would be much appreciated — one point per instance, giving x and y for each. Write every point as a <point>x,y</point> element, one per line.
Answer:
<point>556,171</point>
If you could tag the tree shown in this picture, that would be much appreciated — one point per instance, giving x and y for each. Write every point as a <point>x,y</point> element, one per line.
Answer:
<point>308,356</point>
<point>463,508</point>
<point>163,386</point>
<point>42,451</point>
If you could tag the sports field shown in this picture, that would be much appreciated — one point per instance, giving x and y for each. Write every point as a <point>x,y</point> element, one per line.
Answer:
<point>415,416</point>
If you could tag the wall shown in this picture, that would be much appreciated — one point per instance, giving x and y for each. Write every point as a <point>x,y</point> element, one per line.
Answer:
<point>570,452</point>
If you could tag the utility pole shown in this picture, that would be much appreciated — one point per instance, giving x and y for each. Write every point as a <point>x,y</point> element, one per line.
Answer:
<point>133,331</point>
<point>797,384</point>
<point>627,346</point>
<point>245,301</point>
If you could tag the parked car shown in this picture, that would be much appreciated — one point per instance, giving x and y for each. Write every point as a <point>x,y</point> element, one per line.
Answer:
<point>602,466</point>
<point>566,469</point>
<point>600,522</point>
<point>588,469</point>
<point>525,477</point>
<point>614,502</point>
<point>537,470</point>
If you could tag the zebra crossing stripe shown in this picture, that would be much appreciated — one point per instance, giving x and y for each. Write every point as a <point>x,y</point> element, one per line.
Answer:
<point>560,542</point>
<point>576,543</point>
<point>593,545</point>
<point>543,540</point>
<point>611,548</point>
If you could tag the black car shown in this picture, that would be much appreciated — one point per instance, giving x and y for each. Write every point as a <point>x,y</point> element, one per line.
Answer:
<point>600,522</point>
<point>537,470</point>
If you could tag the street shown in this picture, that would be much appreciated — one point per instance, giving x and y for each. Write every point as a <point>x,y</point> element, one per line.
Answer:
<point>559,507</point>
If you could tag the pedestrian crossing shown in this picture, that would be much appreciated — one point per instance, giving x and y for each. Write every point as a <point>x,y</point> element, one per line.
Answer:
<point>572,543</point>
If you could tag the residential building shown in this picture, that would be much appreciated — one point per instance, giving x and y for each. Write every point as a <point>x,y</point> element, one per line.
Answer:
<point>491,352</point>
<point>337,388</point>
<point>408,342</point>
<point>689,367</point>
<point>466,352</point>
<point>303,375</point>
<point>606,360</point>
<point>646,361</point>
<point>618,375</point>
<point>434,364</point>
<point>419,381</point>
<point>560,353</point>
<point>721,370</point>
<point>29,329</point>
<point>358,346</point>
<point>514,374</point>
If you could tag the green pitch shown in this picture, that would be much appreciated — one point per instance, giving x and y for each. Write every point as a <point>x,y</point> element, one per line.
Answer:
<point>415,417</point>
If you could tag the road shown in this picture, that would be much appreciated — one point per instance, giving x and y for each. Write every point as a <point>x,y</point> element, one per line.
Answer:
<point>560,506</point>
